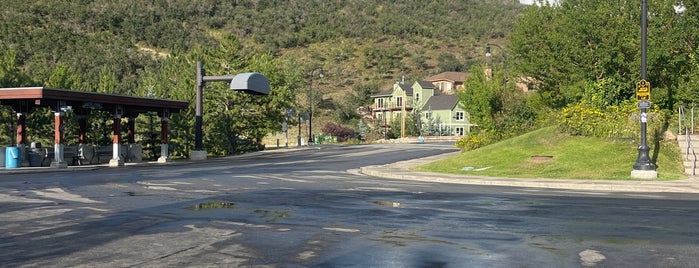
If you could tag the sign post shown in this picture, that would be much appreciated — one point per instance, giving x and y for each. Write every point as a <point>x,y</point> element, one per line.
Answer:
<point>643,163</point>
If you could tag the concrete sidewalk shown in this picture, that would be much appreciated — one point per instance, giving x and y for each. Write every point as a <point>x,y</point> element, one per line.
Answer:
<point>401,171</point>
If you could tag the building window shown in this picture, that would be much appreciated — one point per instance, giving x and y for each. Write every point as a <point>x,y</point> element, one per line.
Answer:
<point>399,101</point>
<point>428,115</point>
<point>379,116</point>
<point>459,131</point>
<point>380,103</point>
<point>417,97</point>
<point>459,116</point>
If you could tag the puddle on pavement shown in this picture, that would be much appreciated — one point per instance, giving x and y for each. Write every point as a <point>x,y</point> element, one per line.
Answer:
<point>272,216</point>
<point>212,205</point>
<point>386,203</point>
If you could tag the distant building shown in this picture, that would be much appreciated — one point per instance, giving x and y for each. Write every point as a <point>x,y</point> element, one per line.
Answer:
<point>448,82</point>
<point>435,100</point>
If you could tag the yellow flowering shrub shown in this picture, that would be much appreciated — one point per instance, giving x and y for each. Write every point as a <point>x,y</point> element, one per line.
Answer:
<point>475,140</point>
<point>614,121</point>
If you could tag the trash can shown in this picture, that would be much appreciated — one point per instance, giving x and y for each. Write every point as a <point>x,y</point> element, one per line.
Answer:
<point>12,159</point>
<point>35,155</point>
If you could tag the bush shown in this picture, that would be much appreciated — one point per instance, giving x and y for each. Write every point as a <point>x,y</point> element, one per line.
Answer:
<point>614,122</point>
<point>342,133</point>
<point>475,140</point>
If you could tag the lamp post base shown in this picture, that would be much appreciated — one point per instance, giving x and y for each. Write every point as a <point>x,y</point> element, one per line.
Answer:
<point>116,162</point>
<point>198,155</point>
<point>644,174</point>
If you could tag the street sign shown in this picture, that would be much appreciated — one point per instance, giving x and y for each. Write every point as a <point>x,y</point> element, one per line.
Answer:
<point>290,112</point>
<point>643,90</point>
<point>643,104</point>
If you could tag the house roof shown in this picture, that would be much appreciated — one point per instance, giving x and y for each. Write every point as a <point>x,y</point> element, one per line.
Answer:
<point>384,93</point>
<point>21,99</point>
<point>448,76</point>
<point>408,89</point>
<point>425,84</point>
<point>441,102</point>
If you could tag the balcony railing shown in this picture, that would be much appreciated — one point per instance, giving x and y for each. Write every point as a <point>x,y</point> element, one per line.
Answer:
<point>390,107</point>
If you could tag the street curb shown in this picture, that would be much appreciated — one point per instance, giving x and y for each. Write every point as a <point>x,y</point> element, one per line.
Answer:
<point>401,171</point>
<point>37,170</point>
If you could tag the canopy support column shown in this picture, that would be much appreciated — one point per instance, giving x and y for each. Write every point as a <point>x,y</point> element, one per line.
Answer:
<point>164,154</point>
<point>58,161</point>
<point>116,160</point>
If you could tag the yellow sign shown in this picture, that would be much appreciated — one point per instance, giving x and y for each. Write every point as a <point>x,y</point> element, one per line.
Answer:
<point>643,90</point>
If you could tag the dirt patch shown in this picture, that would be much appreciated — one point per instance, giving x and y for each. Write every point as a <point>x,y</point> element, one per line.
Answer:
<point>541,158</point>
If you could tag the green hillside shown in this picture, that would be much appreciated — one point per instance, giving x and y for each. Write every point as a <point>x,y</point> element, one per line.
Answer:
<point>356,41</point>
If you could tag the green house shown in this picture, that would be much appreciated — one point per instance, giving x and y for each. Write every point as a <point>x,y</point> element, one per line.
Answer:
<point>435,101</point>
<point>443,116</point>
<point>391,103</point>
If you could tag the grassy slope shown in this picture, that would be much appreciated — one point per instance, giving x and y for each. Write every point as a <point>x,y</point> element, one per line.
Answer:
<point>572,158</point>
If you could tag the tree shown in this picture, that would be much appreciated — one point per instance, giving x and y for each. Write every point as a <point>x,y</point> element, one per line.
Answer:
<point>479,98</point>
<point>449,63</point>
<point>359,96</point>
<point>62,78</point>
<point>396,129</point>
<point>501,110</point>
<point>10,73</point>
<point>233,117</point>
<point>578,42</point>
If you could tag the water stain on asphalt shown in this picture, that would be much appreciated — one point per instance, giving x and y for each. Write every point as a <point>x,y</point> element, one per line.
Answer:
<point>212,205</point>
<point>399,238</point>
<point>386,203</point>
<point>272,216</point>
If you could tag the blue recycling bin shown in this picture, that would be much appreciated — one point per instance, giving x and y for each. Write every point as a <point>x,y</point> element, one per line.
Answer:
<point>12,158</point>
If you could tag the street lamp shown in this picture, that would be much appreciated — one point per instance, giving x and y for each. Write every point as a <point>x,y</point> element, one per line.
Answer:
<point>310,102</point>
<point>504,61</point>
<point>251,83</point>
<point>644,167</point>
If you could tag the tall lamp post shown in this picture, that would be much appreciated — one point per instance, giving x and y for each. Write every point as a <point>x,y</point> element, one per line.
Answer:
<point>251,83</point>
<point>504,61</point>
<point>310,102</point>
<point>644,167</point>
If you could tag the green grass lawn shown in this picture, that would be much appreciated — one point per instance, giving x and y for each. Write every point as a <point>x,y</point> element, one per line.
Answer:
<point>565,157</point>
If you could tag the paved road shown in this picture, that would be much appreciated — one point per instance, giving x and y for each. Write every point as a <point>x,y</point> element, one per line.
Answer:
<point>312,208</point>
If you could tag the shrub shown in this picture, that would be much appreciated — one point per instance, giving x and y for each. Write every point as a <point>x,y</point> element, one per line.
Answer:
<point>475,140</point>
<point>615,121</point>
<point>342,133</point>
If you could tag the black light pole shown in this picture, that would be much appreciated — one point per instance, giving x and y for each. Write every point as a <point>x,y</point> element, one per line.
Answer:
<point>310,102</point>
<point>504,61</point>
<point>643,162</point>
